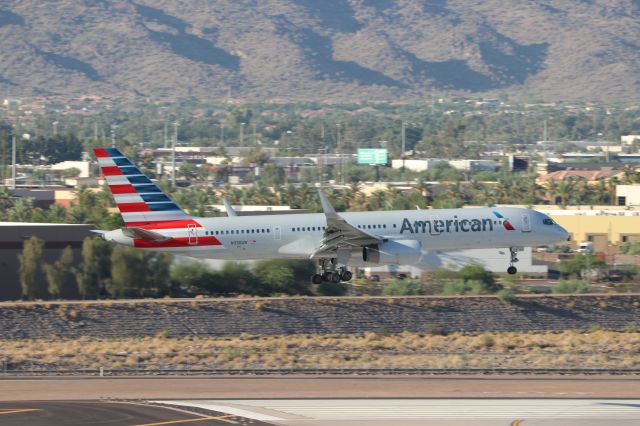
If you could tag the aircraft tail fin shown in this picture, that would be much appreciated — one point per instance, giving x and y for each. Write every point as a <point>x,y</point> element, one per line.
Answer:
<point>140,201</point>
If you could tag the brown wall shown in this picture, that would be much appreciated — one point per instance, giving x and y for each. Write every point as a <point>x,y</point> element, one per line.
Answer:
<point>56,237</point>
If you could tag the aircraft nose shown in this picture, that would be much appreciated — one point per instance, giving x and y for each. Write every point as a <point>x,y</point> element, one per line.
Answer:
<point>563,233</point>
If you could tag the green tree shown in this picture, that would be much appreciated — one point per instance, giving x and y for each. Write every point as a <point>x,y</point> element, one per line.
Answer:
<point>405,287</point>
<point>95,269</point>
<point>579,264</point>
<point>570,286</point>
<point>197,278</point>
<point>138,273</point>
<point>31,284</point>
<point>59,272</point>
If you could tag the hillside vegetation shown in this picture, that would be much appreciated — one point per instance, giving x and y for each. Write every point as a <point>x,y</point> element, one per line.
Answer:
<point>322,50</point>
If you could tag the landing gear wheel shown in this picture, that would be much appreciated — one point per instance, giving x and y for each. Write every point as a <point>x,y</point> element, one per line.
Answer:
<point>316,279</point>
<point>335,277</point>
<point>512,270</point>
<point>346,276</point>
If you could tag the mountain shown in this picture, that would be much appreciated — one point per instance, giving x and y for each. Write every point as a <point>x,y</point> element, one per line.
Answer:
<point>322,50</point>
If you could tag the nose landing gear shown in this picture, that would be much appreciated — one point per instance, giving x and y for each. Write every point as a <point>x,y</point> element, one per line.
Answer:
<point>330,274</point>
<point>512,270</point>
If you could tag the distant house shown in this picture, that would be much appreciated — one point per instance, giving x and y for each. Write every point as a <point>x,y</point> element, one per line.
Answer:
<point>592,177</point>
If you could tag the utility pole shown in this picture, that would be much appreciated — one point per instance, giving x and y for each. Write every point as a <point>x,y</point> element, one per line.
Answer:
<point>222,134</point>
<point>174,142</point>
<point>13,161</point>
<point>95,133</point>
<point>242,133</point>
<point>255,136</point>
<point>166,140</point>
<point>113,136</point>
<point>340,153</point>
<point>55,128</point>
<point>404,143</point>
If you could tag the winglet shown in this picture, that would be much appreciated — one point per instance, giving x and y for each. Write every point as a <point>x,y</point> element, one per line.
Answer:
<point>229,208</point>
<point>328,209</point>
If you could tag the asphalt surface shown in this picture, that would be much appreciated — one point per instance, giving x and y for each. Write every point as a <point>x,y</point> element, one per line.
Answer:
<point>229,387</point>
<point>69,413</point>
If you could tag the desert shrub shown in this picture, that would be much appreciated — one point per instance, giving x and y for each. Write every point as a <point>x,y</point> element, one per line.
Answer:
<point>570,286</point>
<point>507,295</point>
<point>403,288</point>
<point>468,287</point>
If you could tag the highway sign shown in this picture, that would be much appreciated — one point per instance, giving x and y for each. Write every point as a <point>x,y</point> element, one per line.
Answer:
<point>372,156</point>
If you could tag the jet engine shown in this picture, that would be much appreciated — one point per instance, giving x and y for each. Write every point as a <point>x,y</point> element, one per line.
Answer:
<point>393,252</point>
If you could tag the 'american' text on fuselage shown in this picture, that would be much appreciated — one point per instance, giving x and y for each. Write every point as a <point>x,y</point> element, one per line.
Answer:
<point>438,226</point>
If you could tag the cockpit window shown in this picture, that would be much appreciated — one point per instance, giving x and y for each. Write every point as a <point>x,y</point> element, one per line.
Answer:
<point>547,221</point>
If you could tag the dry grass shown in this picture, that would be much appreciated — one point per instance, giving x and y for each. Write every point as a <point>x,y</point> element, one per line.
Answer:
<point>598,349</point>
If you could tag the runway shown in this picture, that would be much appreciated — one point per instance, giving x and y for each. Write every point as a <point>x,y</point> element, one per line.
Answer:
<point>321,400</point>
<point>316,387</point>
<point>429,411</point>
<point>70,413</point>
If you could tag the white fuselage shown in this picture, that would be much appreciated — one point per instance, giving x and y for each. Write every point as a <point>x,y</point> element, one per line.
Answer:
<point>299,235</point>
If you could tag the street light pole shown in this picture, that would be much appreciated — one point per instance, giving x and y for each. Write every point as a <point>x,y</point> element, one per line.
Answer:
<point>404,143</point>
<point>13,161</point>
<point>340,154</point>
<point>173,154</point>
<point>242,134</point>
<point>113,136</point>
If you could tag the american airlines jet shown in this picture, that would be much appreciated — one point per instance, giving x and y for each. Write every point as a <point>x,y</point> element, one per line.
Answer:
<point>335,240</point>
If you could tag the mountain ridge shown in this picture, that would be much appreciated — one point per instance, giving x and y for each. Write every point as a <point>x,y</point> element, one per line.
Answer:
<point>331,50</point>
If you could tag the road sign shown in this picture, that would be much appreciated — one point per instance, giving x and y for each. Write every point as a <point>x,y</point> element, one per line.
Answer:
<point>372,156</point>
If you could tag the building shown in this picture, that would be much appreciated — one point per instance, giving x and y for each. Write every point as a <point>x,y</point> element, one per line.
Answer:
<point>56,236</point>
<point>606,226</point>
<point>494,260</point>
<point>630,139</point>
<point>628,195</point>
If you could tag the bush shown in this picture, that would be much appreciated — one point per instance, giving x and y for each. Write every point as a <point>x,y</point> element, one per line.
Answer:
<point>403,288</point>
<point>327,288</point>
<point>507,295</point>
<point>469,287</point>
<point>570,286</point>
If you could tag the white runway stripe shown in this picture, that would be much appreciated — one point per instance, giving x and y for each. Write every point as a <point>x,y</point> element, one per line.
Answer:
<point>402,409</point>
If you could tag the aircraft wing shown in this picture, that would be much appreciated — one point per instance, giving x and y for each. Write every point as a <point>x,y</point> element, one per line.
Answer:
<point>340,234</point>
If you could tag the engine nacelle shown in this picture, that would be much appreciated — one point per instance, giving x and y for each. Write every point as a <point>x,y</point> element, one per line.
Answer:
<point>393,252</point>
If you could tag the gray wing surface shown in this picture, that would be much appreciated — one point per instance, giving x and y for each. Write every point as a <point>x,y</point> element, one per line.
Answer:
<point>340,234</point>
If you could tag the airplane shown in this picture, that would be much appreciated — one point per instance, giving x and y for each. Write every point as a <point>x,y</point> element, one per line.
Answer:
<point>335,240</point>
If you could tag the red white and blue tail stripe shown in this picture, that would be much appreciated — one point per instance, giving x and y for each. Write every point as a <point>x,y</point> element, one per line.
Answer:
<point>139,200</point>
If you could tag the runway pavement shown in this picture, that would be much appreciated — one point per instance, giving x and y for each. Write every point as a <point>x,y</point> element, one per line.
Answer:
<point>232,387</point>
<point>70,413</point>
<point>429,411</point>
<point>321,401</point>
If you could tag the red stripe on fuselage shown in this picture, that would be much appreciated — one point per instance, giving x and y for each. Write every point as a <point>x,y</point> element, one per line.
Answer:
<point>100,152</point>
<point>178,242</point>
<point>164,224</point>
<point>112,171</point>
<point>122,189</point>
<point>133,207</point>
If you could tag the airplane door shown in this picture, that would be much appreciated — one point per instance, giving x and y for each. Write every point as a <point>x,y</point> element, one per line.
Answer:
<point>277,233</point>
<point>192,233</point>
<point>526,222</point>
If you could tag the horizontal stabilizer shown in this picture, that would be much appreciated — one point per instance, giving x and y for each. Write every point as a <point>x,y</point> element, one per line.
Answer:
<point>143,234</point>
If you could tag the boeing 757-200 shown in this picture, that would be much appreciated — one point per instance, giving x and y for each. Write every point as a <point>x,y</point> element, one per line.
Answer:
<point>335,240</point>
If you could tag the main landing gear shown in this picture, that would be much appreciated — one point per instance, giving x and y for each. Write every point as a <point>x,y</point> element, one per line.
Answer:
<point>329,273</point>
<point>512,270</point>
